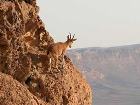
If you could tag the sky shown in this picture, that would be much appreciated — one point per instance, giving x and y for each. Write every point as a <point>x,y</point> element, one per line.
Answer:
<point>96,23</point>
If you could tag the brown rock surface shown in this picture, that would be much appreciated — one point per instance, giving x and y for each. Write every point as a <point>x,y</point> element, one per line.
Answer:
<point>14,93</point>
<point>23,46</point>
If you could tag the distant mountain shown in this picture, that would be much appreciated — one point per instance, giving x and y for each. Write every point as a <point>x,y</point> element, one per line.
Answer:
<point>113,72</point>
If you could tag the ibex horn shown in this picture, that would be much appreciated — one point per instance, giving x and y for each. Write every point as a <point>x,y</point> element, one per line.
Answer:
<point>73,36</point>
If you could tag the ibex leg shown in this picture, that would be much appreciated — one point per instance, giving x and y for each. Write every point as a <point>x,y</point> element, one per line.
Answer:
<point>50,63</point>
<point>63,61</point>
<point>56,62</point>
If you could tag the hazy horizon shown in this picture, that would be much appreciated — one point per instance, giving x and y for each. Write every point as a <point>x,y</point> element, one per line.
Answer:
<point>102,23</point>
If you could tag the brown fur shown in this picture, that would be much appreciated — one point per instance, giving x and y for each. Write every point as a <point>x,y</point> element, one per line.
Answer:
<point>57,49</point>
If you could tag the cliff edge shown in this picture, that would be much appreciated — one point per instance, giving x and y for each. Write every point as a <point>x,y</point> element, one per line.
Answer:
<point>24,62</point>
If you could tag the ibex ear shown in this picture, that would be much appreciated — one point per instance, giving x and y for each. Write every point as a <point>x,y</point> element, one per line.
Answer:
<point>74,39</point>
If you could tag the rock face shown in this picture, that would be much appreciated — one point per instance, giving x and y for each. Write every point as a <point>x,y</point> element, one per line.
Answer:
<point>23,46</point>
<point>13,93</point>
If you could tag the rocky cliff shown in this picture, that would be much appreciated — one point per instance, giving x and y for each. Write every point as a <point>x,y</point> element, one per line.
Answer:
<point>23,46</point>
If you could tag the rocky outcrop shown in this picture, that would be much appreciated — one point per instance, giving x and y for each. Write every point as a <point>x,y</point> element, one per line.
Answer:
<point>23,45</point>
<point>13,93</point>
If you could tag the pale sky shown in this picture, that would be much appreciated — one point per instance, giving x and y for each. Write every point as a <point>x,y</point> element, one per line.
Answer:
<point>96,23</point>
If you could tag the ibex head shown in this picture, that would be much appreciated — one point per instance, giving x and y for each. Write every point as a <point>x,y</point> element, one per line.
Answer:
<point>70,39</point>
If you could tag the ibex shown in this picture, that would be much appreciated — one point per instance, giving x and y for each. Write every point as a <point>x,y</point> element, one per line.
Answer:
<point>59,49</point>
